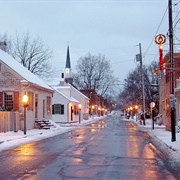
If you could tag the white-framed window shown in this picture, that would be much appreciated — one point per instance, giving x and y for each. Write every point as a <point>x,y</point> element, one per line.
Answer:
<point>8,101</point>
<point>30,100</point>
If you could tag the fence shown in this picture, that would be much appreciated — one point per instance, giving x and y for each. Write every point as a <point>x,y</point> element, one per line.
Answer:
<point>9,121</point>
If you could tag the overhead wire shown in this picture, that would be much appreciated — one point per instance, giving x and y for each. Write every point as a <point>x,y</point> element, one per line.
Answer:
<point>156,31</point>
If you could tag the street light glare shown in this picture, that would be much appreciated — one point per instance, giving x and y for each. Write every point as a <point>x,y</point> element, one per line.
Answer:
<point>25,99</point>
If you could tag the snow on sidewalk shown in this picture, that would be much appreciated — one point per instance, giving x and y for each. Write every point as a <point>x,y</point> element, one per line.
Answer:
<point>12,139</point>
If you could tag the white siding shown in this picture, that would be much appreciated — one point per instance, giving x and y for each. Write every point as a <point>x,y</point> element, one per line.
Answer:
<point>30,114</point>
<point>66,117</point>
<point>59,99</point>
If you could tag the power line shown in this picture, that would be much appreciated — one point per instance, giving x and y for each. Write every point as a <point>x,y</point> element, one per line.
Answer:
<point>156,31</point>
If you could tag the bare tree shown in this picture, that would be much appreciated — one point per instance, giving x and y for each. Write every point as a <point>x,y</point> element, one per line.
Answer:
<point>132,91</point>
<point>94,72</point>
<point>31,53</point>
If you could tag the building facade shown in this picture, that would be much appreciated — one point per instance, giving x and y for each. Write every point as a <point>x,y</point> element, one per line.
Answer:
<point>15,81</point>
<point>164,90</point>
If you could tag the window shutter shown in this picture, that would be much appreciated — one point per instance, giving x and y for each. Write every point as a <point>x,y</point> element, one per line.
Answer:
<point>16,101</point>
<point>53,109</point>
<point>62,109</point>
<point>1,98</point>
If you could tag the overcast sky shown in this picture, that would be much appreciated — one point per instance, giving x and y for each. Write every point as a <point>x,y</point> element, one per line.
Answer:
<point>113,28</point>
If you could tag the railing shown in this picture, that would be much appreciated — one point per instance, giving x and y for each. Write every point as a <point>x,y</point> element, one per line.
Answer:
<point>9,121</point>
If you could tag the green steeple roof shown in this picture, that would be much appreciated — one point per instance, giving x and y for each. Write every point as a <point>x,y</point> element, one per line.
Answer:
<point>68,63</point>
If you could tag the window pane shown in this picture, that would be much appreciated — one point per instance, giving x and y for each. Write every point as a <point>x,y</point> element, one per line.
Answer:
<point>57,109</point>
<point>8,101</point>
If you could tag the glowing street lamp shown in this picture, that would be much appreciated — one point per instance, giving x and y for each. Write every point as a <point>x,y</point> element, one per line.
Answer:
<point>136,108</point>
<point>79,106</point>
<point>25,105</point>
<point>93,110</point>
<point>152,105</point>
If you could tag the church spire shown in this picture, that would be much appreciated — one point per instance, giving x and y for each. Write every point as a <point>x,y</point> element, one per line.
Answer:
<point>68,78</point>
<point>68,63</point>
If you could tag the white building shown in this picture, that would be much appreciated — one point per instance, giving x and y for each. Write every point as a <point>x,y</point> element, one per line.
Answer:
<point>66,99</point>
<point>15,81</point>
<point>65,104</point>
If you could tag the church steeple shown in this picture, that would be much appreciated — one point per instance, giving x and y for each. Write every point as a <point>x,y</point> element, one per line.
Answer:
<point>68,78</point>
<point>68,63</point>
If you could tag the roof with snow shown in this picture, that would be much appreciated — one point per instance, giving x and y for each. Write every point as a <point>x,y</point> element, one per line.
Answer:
<point>68,98</point>
<point>22,71</point>
<point>68,86</point>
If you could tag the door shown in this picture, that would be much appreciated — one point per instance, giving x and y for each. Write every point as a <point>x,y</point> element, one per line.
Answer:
<point>71,113</point>
<point>43,108</point>
<point>36,106</point>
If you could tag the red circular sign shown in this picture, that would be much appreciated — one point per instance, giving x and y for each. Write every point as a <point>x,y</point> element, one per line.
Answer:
<point>160,39</point>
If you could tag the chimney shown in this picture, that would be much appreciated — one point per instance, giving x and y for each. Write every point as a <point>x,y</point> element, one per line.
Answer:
<point>3,45</point>
<point>62,75</point>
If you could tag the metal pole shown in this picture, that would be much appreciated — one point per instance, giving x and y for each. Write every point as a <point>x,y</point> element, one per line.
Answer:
<point>171,57</point>
<point>152,117</point>
<point>24,120</point>
<point>142,83</point>
<point>79,116</point>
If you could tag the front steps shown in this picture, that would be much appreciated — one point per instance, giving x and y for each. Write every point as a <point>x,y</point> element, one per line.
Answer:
<point>43,124</point>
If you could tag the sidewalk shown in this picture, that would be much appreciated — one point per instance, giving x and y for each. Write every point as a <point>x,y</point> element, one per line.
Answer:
<point>12,139</point>
<point>163,138</point>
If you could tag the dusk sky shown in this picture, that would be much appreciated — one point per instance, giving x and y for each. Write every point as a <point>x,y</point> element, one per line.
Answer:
<point>113,28</point>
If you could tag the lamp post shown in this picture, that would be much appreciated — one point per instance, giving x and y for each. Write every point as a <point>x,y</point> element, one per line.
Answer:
<point>93,110</point>
<point>25,104</point>
<point>152,105</point>
<point>131,112</point>
<point>136,108</point>
<point>79,106</point>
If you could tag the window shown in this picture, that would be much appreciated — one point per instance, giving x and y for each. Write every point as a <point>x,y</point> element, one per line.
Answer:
<point>31,100</point>
<point>58,109</point>
<point>8,101</point>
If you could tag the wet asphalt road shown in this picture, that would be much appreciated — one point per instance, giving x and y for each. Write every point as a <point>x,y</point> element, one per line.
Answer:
<point>108,149</point>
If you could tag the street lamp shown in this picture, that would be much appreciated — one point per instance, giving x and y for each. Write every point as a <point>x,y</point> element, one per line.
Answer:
<point>131,112</point>
<point>79,106</point>
<point>152,105</point>
<point>136,108</point>
<point>99,111</point>
<point>102,111</point>
<point>93,110</point>
<point>25,105</point>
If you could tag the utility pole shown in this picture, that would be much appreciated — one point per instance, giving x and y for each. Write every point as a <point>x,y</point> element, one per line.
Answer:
<point>142,85</point>
<point>171,57</point>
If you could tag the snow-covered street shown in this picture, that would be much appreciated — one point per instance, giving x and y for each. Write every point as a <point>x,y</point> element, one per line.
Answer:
<point>13,139</point>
